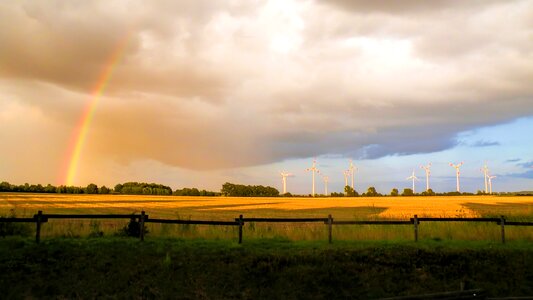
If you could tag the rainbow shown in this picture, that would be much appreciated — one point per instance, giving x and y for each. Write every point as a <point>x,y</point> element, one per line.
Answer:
<point>80,133</point>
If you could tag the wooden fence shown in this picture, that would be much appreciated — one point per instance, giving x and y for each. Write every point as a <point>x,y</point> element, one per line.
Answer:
<point>143,218</point>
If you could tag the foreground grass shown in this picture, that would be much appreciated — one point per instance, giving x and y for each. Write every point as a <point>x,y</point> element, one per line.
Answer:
<point>258,269</point>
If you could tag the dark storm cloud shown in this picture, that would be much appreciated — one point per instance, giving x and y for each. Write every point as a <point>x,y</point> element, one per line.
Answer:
<point>205,85</point>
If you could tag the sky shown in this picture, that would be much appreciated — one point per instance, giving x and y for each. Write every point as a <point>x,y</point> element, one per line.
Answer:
<point>198,93</point>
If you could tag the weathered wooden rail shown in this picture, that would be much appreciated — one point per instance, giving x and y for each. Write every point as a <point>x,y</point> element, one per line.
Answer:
<point>143,218</point>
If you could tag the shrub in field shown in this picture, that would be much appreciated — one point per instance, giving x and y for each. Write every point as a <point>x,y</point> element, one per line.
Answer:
<point>8,229</point>
<point>133,229</point>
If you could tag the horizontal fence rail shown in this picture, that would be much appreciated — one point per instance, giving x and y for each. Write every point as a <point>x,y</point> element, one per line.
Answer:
<point>284,220</point>
<point>192,222</point>
<point>372,222</point>
<point>143,218</point>
<point>92,216</point>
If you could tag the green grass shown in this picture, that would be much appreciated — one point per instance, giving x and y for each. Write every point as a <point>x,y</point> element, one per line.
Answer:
<point>258,269</point>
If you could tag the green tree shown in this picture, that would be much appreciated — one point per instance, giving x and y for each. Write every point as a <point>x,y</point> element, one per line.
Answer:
<point>5,187</point>
<point>350,192</point>
<point>92,189</point>
<point>408,192</point>
<point>429,192</point>
<point>118,188</point>
<point>49,189</point>
<point>104,190</point>
<point>371,192</point>
<point>394,192</point>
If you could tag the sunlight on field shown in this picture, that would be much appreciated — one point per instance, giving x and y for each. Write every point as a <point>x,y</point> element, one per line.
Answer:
<point>228,208</point>
<point>383,207</point>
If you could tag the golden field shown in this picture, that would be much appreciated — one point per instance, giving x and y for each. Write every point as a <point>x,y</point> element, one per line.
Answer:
<point>229,208</point>
<point>165,206</point>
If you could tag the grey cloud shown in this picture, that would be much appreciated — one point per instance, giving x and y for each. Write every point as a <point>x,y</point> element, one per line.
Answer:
<point>203,86</point>
<point>485,144</point>
<point>513,160</point>
<point>409,6</point>
<point>71,43</point>
<point>526,174</point>
<point>528,164</point>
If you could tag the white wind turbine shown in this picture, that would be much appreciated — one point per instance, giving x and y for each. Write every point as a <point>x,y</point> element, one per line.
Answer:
<point>413,177</point>
<point>346,174</point>
<point>485,171</point>
<point>457,173</point>
<point>326,180</point>
<point>313,170</point>
<point>284,176</point>
<point>427,168</point>
<point>490,182</point>
<point>352,170</point>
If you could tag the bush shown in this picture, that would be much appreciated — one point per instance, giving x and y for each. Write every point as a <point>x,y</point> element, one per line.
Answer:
<point>133,228</point>
<point>9,229</point>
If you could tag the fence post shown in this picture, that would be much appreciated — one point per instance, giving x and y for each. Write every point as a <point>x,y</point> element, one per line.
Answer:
<point>330,225</point>
<point>142,226</point>
<point>415,221</point>
<point>38,229</point>
<point>502,223</point>
<point>241,223</point>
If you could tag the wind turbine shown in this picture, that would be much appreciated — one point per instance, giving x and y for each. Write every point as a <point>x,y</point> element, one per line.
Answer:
<point>313,170</point>
<point>485,171</point>
<point>326,180</point>
<point>346,175</point>
<point>413,177</point>
<point>352,170</point>
<point>490,182</point>
<point>427,168</point>
<point>284,176</point>
<point>457,173</point>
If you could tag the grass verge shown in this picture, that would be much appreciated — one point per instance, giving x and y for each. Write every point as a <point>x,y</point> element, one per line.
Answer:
<point>113,267</point>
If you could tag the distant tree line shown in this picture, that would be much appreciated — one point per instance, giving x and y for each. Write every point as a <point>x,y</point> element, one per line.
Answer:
<point>62,189</point>
<point>407,192</point>
<point>142,188</point>
<point>228,189</point>
<point>194,192</point>
<point>240,190</point>
<point>128,188</point>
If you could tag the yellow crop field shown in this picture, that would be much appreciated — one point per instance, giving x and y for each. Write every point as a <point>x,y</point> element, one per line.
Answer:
<point>230,207</point>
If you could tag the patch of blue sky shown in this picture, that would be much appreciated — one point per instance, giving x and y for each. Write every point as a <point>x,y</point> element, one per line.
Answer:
<point>506,148</point>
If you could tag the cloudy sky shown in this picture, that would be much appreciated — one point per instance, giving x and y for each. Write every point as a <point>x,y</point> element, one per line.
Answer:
<point>212,91</point>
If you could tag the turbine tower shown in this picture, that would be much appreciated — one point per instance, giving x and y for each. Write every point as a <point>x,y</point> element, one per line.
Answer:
<point>346,175</point>
<point>427,168</point>
<point>313,170</point>
<point>413,177</point>
<point>326,180</point>
<point>457,173</point>
<point>352,170</point>
<point>284,176</point>
<point>490,182</point>
<point>485,171</point>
